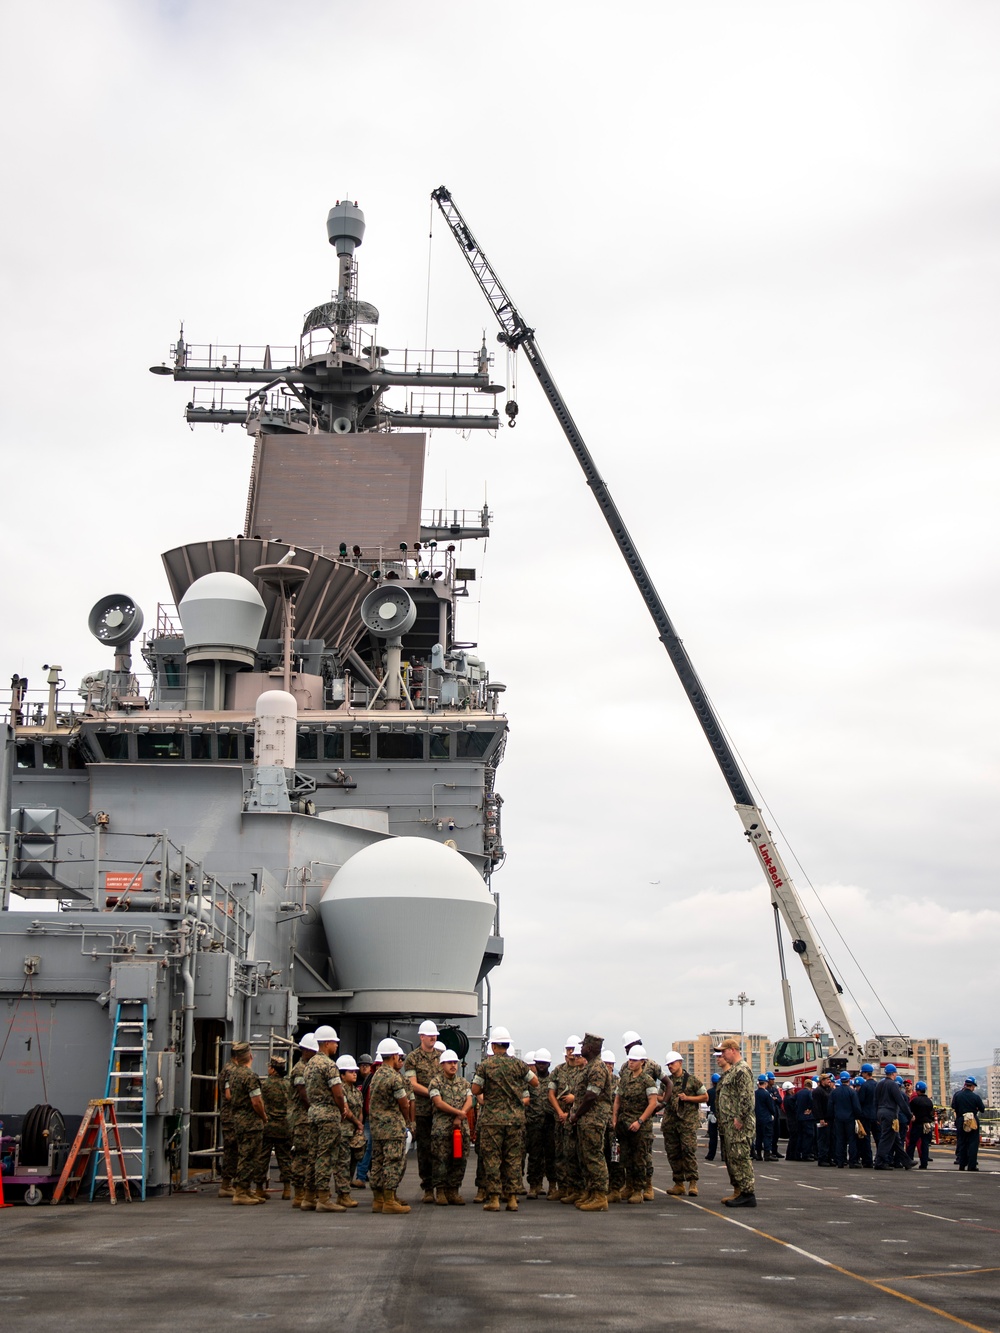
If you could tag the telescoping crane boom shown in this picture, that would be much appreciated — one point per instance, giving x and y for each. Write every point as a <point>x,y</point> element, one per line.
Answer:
<point>516,333</point>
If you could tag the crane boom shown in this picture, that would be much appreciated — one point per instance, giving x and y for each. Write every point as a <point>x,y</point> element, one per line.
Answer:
<point>516,333</point>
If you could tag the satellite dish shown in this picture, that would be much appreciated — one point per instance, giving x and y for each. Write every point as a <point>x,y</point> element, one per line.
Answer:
<point>115,620</point>
<point>388,612</point>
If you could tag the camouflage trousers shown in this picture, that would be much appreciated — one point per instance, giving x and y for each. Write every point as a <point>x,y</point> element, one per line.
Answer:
<point>250,1152</point>
<point>593,1163</point>
<point>281,1146</point>
<point>388,1163</point>
<point>343,1166</point>
<point>448,1171</point>
<point>635,1151</point>
<point>567,1158</point>
<point>303,1146</point>
<point>422,1139</point>
<point>736,1145</point>
<point>228,1162</point>
<point>540,1151</point>
<point>500,1148</point>
<point>680,1141</point>
<point>326,1145</point>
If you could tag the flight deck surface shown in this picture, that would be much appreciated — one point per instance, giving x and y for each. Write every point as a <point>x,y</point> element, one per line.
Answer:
<point>824,1249</point>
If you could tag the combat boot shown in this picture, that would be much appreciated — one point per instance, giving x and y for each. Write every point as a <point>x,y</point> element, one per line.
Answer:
<point>428,1196</point>
<point>226,1189</point>
<point>676,1189</point>
<point>512,1203</point>
<point>581,1199</point>
<point>308,1204</point>
<point>346,1201</point>
<point>532,1193</point>
<point>693,1188</point>
<point>441,1197</point>
<point>243,1196</point>
<point>635,1196</point>
<point>569,1196</point>
<point>492,1204</point>
<point>261,1193</point>
<point>455,1197</point>
<point>324,1204</point>
<point>647,1193</point>
<point>747,1200</point>
<point>300,1194</point>
<point>555,1194</point>
<point>596,1203</point>
<point>480,1195</point>
<point>376,1200</point>
<point>390,1204</point>
<point>614,1196</point>
<point>730,1197</point>
<point>286,1192</point>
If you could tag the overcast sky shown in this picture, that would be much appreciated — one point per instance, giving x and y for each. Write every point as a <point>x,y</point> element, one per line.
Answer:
<point>759,245</point>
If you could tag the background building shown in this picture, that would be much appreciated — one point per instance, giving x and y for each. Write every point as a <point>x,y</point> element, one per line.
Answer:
<point>933,1062</point>
<point>991,1093</point>
<point>697,1052</point>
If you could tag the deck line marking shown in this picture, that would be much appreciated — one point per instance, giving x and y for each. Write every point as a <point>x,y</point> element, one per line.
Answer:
<point>963,1272</point>
<point>826,1263</point>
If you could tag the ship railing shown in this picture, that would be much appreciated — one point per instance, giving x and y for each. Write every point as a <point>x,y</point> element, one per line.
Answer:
<point>448,403</point>
<point>235,356</point>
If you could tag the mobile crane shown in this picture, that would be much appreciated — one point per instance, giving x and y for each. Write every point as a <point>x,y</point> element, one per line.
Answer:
<point>792,1056</point>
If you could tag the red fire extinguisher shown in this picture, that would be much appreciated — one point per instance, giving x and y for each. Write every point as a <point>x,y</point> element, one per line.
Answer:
<point>456,1142</point>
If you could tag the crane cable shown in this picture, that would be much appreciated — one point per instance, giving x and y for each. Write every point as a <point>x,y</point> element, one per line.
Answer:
<point>816,894</point>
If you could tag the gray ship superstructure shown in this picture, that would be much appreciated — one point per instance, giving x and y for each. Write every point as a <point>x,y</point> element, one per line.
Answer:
<point>293,818</point>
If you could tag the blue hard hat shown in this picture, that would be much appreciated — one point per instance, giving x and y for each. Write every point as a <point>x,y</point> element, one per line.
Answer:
<point>858,1081</point>
<point>868,1069</point>
<point>770,1073</point>
<point>761,1078</point>
<point>921,1086</point>
<point>890,1069</point>
<point>845,1077</point>
<point>971,1080</point>
<point>716,1077</point>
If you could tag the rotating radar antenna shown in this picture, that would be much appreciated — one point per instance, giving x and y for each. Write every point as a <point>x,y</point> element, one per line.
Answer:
<point>115,621</point>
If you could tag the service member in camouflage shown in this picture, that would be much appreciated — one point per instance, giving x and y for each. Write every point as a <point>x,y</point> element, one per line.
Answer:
<point>590,1114</point>
<point>629,1040</point>
<point>565,1084</point>
<point>420,1068</point>
<point>352,1133</point>
<point>635,1105</point>
<point>452,1101</point>
<point>277,1139</point>
<point>389,1113</point>
<point>249,1119</point>
<point>502,1080</point>
<point>612,1148</point>
<point>229,1149</point>
<point>680,1123</point>
<point>734,1101</point>
<point>300,1128</point>
<point>327,1103</point>
<point>538,1127</point>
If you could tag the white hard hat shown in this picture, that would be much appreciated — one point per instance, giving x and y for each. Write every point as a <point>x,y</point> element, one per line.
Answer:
<point>428,1028</point>
<point>529,1058</point>
<point>499,1037</point>
<point>672,1056</point>
<point>572,1040</point>
<point>347,1062</point>
<point>388,1046</point>
<point>439,1046</point>
<point>787,1085</point>
<point>637,1052</point>
<point>608,1057</point>
<point>542,1056</point>
<point>308,1042</point>
<point>578,1049</point>
<point>629,1038</point>
<point>326,1033</point>
<point>449,1057</point>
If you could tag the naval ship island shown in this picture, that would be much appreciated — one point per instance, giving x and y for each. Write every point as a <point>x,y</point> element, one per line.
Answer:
<point>290,818</point>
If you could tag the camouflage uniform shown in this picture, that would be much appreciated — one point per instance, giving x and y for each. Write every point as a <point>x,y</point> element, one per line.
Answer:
<point>248,1128</point>
<point>322,1076</point>
<point>612,1148</point>
<point>592,1124</point>
<point>680,1127</point>
<point>274,1090</point>
<point>388,1125</point>
<point>734,1099</point>
<point>633,1091</point>
<point>350,1136</point>
<point>424,1066</point>
<point>449,1170</point>
<point>564,1079</point>
<point>300,1129</point>
<point>538,1139</point>
<point>502,1079</point>
<point>227,1166</point>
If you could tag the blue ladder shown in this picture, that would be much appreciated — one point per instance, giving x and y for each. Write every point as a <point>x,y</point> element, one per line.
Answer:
<point>125,1088</point>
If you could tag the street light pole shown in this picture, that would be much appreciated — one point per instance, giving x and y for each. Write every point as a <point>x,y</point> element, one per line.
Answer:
<point>743,999</point>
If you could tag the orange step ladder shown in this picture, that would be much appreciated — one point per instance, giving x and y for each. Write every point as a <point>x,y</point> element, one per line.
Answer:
<point>98,1132</point>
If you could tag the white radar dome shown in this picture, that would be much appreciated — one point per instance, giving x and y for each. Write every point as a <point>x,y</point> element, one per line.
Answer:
<point>222,616</point>
<point>407,921</point>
